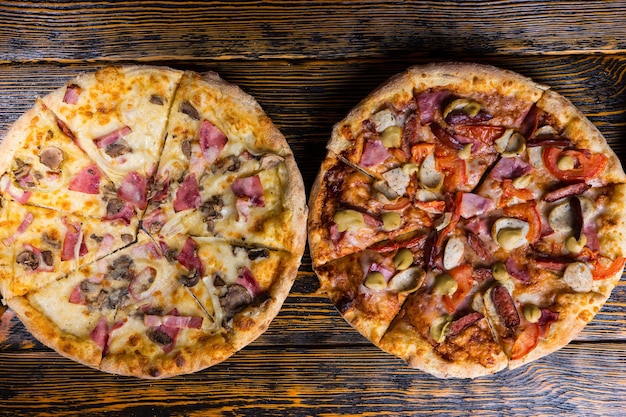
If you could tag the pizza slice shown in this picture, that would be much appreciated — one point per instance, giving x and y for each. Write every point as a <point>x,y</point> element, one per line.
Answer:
<point>443,328</point>
<point>240,287</point>
<point>369,287</point>
<point>118,116</point>
<point>42,246</point>
<point>45,167</point>
<point>225,171</point>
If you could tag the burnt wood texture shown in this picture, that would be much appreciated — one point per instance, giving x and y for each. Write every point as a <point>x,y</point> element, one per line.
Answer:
<point>308,63</point>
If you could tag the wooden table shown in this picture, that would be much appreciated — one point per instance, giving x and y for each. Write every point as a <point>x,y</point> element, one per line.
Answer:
<point>308,64</point>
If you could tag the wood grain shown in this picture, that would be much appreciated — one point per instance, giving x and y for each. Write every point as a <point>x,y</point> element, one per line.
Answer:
<point>68,31</point>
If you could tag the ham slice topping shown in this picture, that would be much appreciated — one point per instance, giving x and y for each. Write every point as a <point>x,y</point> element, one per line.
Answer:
<point>247,280</point>
<point>87,181</point>
<point>250,187</point>
<point>71,94</point>
<point>100,334</point>
<point>73,243</point>
<point>374,153</point>
<point>106,244</point>
<point>429,103</point>
<point>508,168</point>
<point>474,205</point>
<point>134,190</point>
<point>188,256</point>
<point>212,140</point>
<point>110,138</point>
<point>188,195</point>
<point>173,321</point>
<point>28,219</point>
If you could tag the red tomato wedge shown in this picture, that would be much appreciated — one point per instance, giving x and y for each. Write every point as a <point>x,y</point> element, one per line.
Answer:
<point>527,212</point>
<point>601,272</point>
<point>526,341</point>
<point>587,165</point>
<point>462,274</point>
<point>485,134</point>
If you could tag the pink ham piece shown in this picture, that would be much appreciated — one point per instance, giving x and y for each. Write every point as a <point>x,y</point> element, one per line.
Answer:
<point>188,195</point>
<point>521,274</point>
<point>173,321</point>
<point>134,190</point>
<point>18,194</point>
<point>28,219</point>
<point>509,168</point>
<point>106,244</point>
<point>111,138</point>
<point>71,242</point>
<point>41,262</point>
<point>474,205</point>
<point>71,94</point>
<point>154,220</point>
<point>212,140</point>
<point>77,296</point>
<point>429,103</point>
<point>251,188</point>
<point>247,280</point>
<point>374,153</point>
<point>125,214</point>
<point>146,250</point>
<point>188,256</point>
<point>66,131</point>
<point>142,282</point>
<point>100,334</point>
<point>87,180</point>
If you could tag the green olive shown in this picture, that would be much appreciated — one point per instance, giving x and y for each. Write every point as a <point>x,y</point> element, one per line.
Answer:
<point>439,328</point>
<point>565,163</point>
<point>466,152</point>
<point>375,281</point>
<point>500,273</point>
<point>532,313</point>
<point>445,285</point>
<point>403,259</point>
<point>469,107</point>
<point>391,221</point>
<point>510,144</point>
<point>391,137</point>
<point>348,219</point>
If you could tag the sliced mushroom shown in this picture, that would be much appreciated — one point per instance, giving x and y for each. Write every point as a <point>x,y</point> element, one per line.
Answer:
<point>429,178</point>
<point>236,299</point>
<point>510,233</point>
<point>383,119</point>
<point>510,144</point>
<point>258,253</point>
<point>189,110</point>
<point>118,148</point>
<point>190,279</point>
<point>578,276</point>
<point>156,99</point>
<point>28,259</point>
<point>453,253</point>
<point>51,157</point>
<point>407,281</point>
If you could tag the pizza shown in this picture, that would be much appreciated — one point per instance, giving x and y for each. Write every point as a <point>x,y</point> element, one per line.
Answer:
<point>150,220</point>
<point>467,219</point>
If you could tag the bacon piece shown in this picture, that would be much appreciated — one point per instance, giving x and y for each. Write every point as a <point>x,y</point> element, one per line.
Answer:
<point>28,219</point>
<point>250,187</point>
<point>374,153</point>
<point>188,256</point>
<point>212,140</point>
<point>134,190</point>
<point>66,130</point>
<point>549,140</point>
<point>188,195</point>
<point>87,180</point>
<point>71,94</point>
<point>410,133</point>
<point>376,267</point>
<point>160,190</point>
<point>247,280</point>
<point>77,296</point>
<point>516,272</point>
<point>73,238</point>
<point>545,320</point>
<point>566,191</point>
<point>100,334</point>
<point>505,307</point>
<point>429,103</point>
<point>111,138</point>
<point>457,326</point>
<point>474,205</point>
<point>552,263</point>
<point>508,168</point>
<point>142,282</point>
<point>390,245</point>
<point>530,122</point>
<point>446,137</point>
<point>460,118</point>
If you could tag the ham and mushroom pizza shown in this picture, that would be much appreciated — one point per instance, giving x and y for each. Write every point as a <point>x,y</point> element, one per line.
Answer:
<point>467,219</point>
<point>151,220</point>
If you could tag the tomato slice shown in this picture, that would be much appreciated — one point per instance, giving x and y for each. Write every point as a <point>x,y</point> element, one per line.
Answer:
<point>601,272</point>
<point>587,165</point>
<point>420,151</point>
<point>509,192</point>
<point>485,134</point>
<point>525,341</point>
<point>447,161</point>
<point>527,212</point>
<point>462,274</point>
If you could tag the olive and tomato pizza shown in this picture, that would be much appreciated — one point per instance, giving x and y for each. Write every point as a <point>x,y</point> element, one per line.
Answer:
<point>467,219</point>
<point>150,220</point>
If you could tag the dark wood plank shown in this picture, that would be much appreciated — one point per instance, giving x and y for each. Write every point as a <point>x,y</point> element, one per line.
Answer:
<point>67,31</point>
<point>582,379</point>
